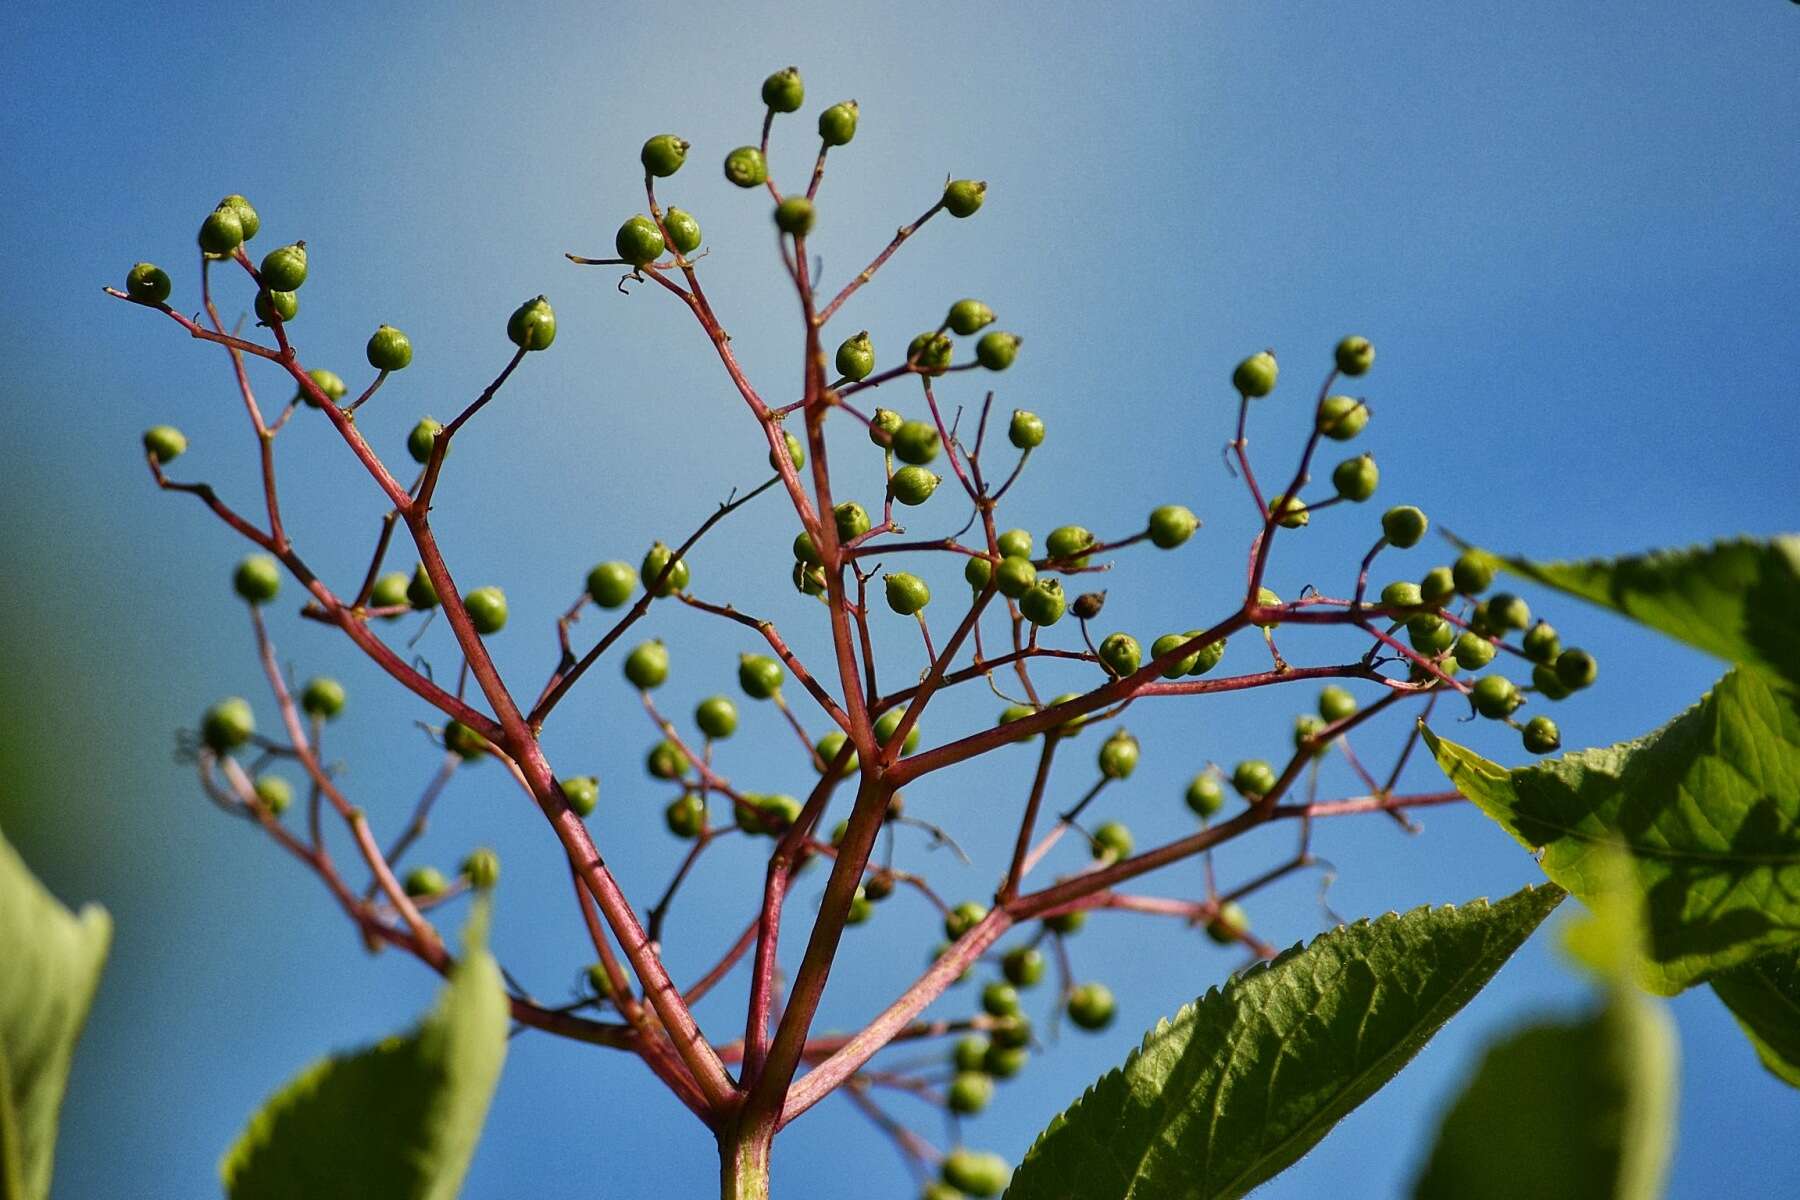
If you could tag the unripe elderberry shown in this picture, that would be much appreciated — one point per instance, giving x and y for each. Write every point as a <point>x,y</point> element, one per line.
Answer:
<point>663,155</point>
<point>389,349</point>
<point>532,325</point>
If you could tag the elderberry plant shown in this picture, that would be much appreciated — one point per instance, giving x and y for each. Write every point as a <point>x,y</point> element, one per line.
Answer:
<point>1434,642</point>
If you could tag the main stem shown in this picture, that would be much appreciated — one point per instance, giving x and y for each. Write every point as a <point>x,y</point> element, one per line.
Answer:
<point>744,1160</point>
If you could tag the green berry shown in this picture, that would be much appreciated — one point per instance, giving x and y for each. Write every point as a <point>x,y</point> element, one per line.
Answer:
<point>532,325</point>
<point>148,283</point>
<point>1355,355</point>
<point>1112,841</point>
<point>164,443</point>
<point>1541,643</point>
<point>487,609</point>
<point>1171,525</point>
<point>970,1092</point>
<point>663,155</point>
<point>1014,577</point>
<point>1042,603</point>
<point>1474,573</point>
<point>583,794</point>
<point>930,353</point>
<point>647,666</point>
<point>1069,543</point>
<point>598,982</point>
<point>861,908</point>
<point>906,594</point>
<point>1541,736</point>
<point>978,571</point>
<point>274,793</point>
<point>1430,634</point>
<point>805,551</point>
<point>1204,795</point>
<point>1507,611</point>
<point>424,882</point>
<point>1269,606</point>
<point>227,725</point>
<point>975,1172</point>
<point>1023,966</point>
<point>884,423</point>
<point>1576,669</point>
<point>1438,585</point>
<point>463,742</point>
<point>284,268</point>
<point>1118,759</point>
<point>639,241</point>
<point>1253,778</point>
<point>1121,654</point>
<point>1167,644</point>
<point>1014,543</point>
<point>963,918</point>
<point>685,816</point>
<point>656,560</point>
<point>784,91</point>
<point>389,349</point>
<point>996,350</point>
<point>1026,431</point>
<point>1403,526</point>
<point>795,215</point>
<point>962,197</point>
<point>1545,680</point>
<point>420,441</point>
<point>1066,923</point>
<point>916,442</point>
<point>276,306</point>
<point>1307,728</point>
<point>257,578</point>
<point>717,717</point>
<point>968,317</point>
<point>221,232</point>
<point>1011,1032</point>
<point>666,760</point>
<point>482,869</point>
<point>1473,651</point>
<point>1336,704</point>
<point>914,485</point>
<point>1342,417</point>
<point>1495,696</point>
<point>856,357</point>
<point>1000,999</point>
<point>1402,594</point>
<point>322,697</point>
<point>389,592</point>
<point>1003,1062</point>
<point>1292,509</point>
<point>327,382</point>
<point>1356,478</point>
<point>759,675</point>
<point>611,583</point>
<point>248,221</point>
<point>1228,924</point>
<point>746,168</point>
<point>809,581</point>
<point>1091,1006</point>
<point>969,1051</point>
<point>888,723</point>
<point>683,230</point>
<point>795,451</point>
<point>851,519</point>
<point>1256,375</point>
<point>825,752</point>
<point>837,124</point>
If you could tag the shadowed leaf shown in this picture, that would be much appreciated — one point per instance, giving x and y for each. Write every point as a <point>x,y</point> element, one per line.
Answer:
<point>1764,996</point>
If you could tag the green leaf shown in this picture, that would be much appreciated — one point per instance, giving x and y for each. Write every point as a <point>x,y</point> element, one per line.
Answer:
<point>1736,599</point>
<point>50,962</point>
<point>1707,807</point>
<point>1764,996</point>
<point>1565,1111</point>
<point>1250,1076</point>
<point>396,1121</point>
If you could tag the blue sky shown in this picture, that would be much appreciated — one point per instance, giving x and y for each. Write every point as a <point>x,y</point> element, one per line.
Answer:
<point>1570,230</point>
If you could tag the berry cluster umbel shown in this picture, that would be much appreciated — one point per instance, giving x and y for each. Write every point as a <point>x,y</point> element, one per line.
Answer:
<point>1023,617</point>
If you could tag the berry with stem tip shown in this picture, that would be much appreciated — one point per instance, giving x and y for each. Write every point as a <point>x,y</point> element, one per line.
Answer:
<point>795,451</point>
<point>1088,605</point>
<point>532,325</point>
<point>1342,417</point>
<point>420,441</point>
<point>1548,685</point>
<point>837,124</point>
<point>257,578</point>
<point>884,423</point>
<point>322,697</point>
<point>1292,509</point>
<point>1253,778</point>
<point>1356,478</point>
<point>1023,966</point>
<point>248,220</point>
<point>1336,704</point>
<point>666,760</point>
<point>1474,573</point>
<point>978,571</point>
<point>1014,577</point>
<point>1000,999</point>
<point>746,167</point>
<point>1355,355</point>
<point>685,816</point>
<point>968,317</point>
<point>683,230</point>
<point>1541,643</point>
<point>1120,654</point>
<point>276,306</point>
<point>424,882</point>
<point>1228,924</point>
<point>963,197</point>
<point>463,742</point>
<point>663,155</point>
<point>1118,759</point>
<point>327,382</point>
<point>976,1172</point>
<point>759,675</point>
<point>221,232</point>
<point>856,356</point>
<point>1069,542</point>
<point>1112,841</point>
<point>1473,651</point>
<point>914,485</point>
<point>1204,795</point>
<point>1042,603</point>
<point>916,442</point>
<point>389,349</point>
<point>1438,585</point>
<point>1507,611</point>
<point>852,520</point>
<point>639,241</point>
<point>717,717</point>
<point>274,793</point>
<point>888,723</point>
<point>227,725</point>
<point>963,917</point>
<point>164,443</point>
<point>1576,669</point>
<point>284,268</point>
<point>1403,526</point>
<point>1014,543</point>
<point>1026,432</point>
<point>1495,696</point>
<point>389,592</point>
<point>970,1092</point>
<point>1402,593</point>
<point>906,593</point>
<point>1091,1006</point>
<point>1170,525</point>
<point>482,869</point>
<point>930,353</point>
<point>487,609</point>
<point>795,215</point>
<point>1256,375</point>
<point>583,794</point>
<point>1541,736</point>
<point>997,350</point>
<point>784,91</point>
<point>148,283</point>
<point>647,666</point>
<point>655,560</point>
<point>610,584</point>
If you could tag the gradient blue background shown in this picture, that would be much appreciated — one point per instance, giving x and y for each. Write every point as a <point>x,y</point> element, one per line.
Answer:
<point>1570,230</point>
